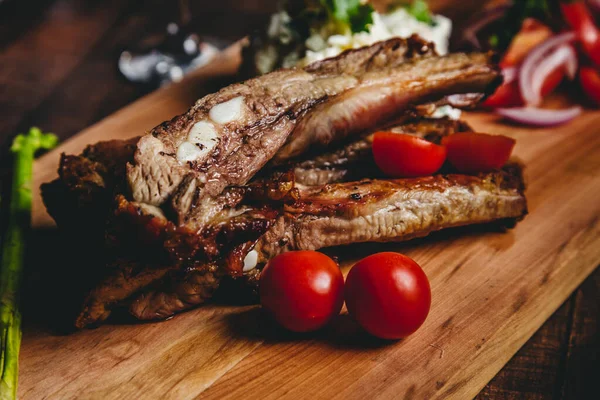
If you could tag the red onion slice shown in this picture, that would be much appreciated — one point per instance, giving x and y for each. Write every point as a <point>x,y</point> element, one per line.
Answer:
<point>531,64</point>
<point>538,116</point>
<point>509,74</point>
<point>563,55</point>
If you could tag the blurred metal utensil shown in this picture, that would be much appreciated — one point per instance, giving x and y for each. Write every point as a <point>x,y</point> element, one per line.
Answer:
<point>179,53</point>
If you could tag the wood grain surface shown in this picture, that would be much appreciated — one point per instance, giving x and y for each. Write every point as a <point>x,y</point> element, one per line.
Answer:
<point>491,292</point>
<point>58,71</point>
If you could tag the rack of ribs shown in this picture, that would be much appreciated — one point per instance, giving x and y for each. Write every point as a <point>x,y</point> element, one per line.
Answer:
<point>277,163</point>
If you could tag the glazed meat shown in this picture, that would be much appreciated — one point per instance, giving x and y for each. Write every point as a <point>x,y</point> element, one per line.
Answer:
<point>181,291</point>
<point>354,212</point>
<point>124,278</point>
<point>276,163</point>
<point>393,210</point>
<point>138,255</point>
<point>128,239</point>
<point>86,183</point>
<point>185,164</point>
<point>156,287</point>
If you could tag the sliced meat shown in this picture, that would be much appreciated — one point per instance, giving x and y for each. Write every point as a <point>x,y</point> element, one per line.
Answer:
<point>384,94</point>
<point>353,212</point>
<point>127,277</point>
<point>183,290</point>
<point>167,215</point>
<point>233,232</point>
<point>82,194</point>
<point>394,210</point>
<point>228,136</point>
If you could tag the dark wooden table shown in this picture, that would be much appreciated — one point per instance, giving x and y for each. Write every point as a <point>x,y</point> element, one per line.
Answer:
<point>58,72</point>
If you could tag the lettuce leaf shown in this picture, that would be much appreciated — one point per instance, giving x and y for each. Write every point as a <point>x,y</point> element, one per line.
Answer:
<point>356,15</point>
<point>420,10</point>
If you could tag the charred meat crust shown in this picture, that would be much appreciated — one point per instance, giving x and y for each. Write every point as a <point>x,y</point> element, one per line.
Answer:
<point>385,54</point>
<point>124,278</point>
<point>181,291</point>
<point>159,280</point>
<point>370,210</point>
<point>86,183</point>
<point>159,248</point>
<point>284,113</point>
<point>166,226</point>
<point>393,210</point>
<point>140,232</point>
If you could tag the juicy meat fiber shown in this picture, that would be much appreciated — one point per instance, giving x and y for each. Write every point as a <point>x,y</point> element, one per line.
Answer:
<point>394,210</point>
<point>166,216</point>
<point>366,211</point>
<point>186,163</point>
<point>183,290</point>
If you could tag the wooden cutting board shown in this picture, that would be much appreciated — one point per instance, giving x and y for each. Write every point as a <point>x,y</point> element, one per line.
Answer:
<point>491,292</point>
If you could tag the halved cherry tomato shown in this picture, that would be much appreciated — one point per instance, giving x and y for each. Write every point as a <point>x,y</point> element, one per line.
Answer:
<point>478,152</point>
<point>302,290</point>
<point>589,79</point>
<point>578,16</point>
<point>553,79</point>
<point>507,95</point>
<point>532,33</point>
<point>400,155</point>
<point>388,294</point>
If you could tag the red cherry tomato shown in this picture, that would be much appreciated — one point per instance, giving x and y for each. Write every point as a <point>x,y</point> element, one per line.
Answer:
<point>580,19</point>
<point>553,79</point>
<point>507,95</point>
<point>478,152</point>
<point>388,294</point>
<point>589,79</point>
<point>400,155</point>
<point>303,290</point>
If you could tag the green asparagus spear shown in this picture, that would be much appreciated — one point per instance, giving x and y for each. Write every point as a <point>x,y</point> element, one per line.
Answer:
<point>13,251</point>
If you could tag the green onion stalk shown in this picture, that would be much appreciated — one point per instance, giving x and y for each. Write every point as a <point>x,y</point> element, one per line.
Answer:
<point>23,148</point>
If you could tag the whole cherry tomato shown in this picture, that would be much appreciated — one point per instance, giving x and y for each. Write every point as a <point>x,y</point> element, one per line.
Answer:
<point>388,294</point>
<point>302,290</point>
<point>400,155</point>
<point>478,152</point>
<point>578,16</point>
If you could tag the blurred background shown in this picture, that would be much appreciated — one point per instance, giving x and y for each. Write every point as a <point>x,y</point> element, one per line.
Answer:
<point>58,58</point>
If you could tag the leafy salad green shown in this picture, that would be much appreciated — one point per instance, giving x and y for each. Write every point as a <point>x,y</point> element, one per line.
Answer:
<point>351,12</point>
<point>513,19</point>
<point>355,15</point>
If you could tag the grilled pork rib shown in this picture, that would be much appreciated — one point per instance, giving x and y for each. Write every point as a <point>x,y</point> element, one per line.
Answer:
<point>82,200</point>
<point>393,210</point>
<point>323,216</point>
<point>354,212</point>
<point>226,137</point>
<point>166,216</point>
<point>182,290</point>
